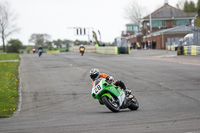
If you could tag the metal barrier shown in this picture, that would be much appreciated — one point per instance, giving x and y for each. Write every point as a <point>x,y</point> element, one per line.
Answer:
<point>172,43</point>
<point>196,35</point>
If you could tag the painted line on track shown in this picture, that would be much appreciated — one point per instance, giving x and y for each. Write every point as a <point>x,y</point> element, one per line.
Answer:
<point>9,60</point>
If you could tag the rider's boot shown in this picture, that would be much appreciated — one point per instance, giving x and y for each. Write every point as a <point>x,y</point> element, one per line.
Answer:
<point>128,93</point>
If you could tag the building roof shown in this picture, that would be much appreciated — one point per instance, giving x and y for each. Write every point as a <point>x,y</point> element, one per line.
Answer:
<point>175,30</point>
<point>168,11</point>
<point>132,24</point>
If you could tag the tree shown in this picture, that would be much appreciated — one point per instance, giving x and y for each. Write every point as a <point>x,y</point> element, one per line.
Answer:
<point>197,22</point>
<point>58,43</point>
<point>49,45</point>
<point>14,45</point>
<point>67,43</point>
<point>39,39</point>
<point>78,42</point>
<point>7,22</point>
<point>186,6</point>
<point>189,6</point>
<point>134,12</point>
<point>192,7</point>
<point>198,5</point>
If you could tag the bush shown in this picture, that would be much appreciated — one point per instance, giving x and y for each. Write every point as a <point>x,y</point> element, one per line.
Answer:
<point>13,46</point>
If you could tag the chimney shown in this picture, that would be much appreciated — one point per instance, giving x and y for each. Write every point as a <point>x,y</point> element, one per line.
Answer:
<point>165,2</point>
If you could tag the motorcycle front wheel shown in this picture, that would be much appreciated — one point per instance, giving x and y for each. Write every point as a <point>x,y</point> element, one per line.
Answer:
<point>134,105</point>
<point>82,53</point>
<point>111,104</point>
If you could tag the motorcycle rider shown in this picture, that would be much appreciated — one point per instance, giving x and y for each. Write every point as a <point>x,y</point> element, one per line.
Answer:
<point>82,49</point>
<point>95,74</point>
<point>40,51</point>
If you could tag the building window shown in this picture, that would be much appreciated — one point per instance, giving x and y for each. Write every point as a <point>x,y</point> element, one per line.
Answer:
<point>158,23</point>
<point>129,28</point>
<point>181,22</point>
<point>134,28</point>
<point>145,25</point>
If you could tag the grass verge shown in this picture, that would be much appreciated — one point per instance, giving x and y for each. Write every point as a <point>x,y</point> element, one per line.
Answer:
<point>8,85</point>
<point>5,56</point>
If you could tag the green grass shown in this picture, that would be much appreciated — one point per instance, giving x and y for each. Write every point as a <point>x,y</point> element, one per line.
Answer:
<point>8,86</point>
<point>21,51</point>
<point>4,56</point>
<point>197,22</point>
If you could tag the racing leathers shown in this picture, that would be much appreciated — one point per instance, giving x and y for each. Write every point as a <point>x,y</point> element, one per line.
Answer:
<point>117,83</point>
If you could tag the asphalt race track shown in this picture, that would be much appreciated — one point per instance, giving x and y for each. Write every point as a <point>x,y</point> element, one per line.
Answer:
<point>56,94</point>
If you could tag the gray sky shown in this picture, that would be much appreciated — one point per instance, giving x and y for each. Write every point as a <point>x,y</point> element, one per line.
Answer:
<point>53,17</point>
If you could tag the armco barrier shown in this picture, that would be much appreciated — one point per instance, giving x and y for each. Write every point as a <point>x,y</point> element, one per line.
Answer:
<point>107,50</point>
<point>189,50</point>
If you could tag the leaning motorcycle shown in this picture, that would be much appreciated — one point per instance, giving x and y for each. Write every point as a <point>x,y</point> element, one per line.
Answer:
<point>113,97</point>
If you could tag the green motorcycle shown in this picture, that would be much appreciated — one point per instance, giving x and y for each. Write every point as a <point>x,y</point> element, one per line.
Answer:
<point>112,96</point>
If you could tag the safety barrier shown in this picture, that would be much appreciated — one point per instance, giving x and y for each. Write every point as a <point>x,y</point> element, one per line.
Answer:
<point>87,49</point>
<point>71,49</point>
<point>103,50</point>
<point>107,50</point>
<point>171,47</point>
<point>53,51</point>
<point>189,50</point>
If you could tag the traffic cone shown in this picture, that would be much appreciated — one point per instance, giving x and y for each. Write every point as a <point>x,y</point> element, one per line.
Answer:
<point>166,52</point>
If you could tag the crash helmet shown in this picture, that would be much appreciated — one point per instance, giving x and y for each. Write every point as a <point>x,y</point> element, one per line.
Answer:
<point>94,74</point>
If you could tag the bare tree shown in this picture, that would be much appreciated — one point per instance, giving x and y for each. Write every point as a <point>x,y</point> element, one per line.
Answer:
<point>7,22</point>
<point>134,12</point>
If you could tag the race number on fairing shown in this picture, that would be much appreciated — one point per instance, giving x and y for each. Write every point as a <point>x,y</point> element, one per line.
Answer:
<point>121,98</point>
<point>97,88</point>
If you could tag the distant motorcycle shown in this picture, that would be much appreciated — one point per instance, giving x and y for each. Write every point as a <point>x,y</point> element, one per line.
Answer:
<point>113,96</point>
<point>40,52</point>
<point>82,49</point>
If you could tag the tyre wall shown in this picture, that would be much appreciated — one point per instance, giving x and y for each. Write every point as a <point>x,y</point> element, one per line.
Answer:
<point>189,50</point>
<point>107,50</point>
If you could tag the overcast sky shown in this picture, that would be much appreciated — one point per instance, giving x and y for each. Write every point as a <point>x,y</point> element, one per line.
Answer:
<point>54,17</point>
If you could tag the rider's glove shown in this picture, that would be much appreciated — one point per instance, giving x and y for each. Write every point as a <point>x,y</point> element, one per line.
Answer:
<point>107,78</point>
<point>111,78</point>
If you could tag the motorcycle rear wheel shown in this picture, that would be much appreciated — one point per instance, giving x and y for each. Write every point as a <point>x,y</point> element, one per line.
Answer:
<point>112,105</point>
<point>134,105</point>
